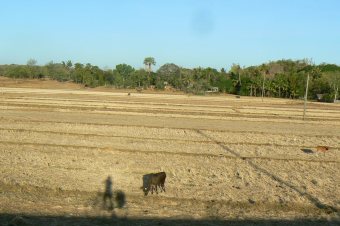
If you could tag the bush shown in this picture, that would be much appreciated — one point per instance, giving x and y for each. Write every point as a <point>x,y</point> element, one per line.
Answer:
<point>329,98</point>
<point>160,85</point>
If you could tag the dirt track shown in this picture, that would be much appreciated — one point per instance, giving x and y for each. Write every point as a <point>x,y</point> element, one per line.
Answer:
<point>225,157</point>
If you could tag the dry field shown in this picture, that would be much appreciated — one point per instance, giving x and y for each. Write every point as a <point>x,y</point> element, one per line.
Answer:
<point>228,160</point>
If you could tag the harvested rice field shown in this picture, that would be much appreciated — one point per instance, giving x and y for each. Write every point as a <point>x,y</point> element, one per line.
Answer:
<point>228,160</point>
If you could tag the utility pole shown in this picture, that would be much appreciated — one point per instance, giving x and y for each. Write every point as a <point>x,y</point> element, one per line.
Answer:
<point>305,102</point>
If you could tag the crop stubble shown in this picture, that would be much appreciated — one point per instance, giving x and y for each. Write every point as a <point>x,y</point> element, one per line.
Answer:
<point>224,157</point>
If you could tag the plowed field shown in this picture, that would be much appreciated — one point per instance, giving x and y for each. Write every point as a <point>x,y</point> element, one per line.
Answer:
<point>225,157</point>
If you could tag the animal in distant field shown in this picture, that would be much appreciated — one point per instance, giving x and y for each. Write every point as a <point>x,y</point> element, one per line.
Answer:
<point>158,180</point>
<point>322,149</point>
<point>152,181</point>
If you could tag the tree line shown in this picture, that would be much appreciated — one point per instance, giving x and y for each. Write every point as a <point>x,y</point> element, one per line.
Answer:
<point>282,78</point>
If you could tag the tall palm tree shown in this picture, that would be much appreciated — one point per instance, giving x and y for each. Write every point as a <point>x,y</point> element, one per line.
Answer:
<point>148,61</point>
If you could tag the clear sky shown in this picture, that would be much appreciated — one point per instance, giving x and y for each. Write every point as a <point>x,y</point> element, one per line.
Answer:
<point>189,33</point>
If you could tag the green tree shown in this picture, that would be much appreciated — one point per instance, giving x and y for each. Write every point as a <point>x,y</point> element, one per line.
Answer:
<point>77,73</point>
<point>235,70</point>
<point>333,78</point>
<point>223,83</point>
<point>123,73</point>
<point>170,73</point>
<point>69,64</point>
<point>31,62</point>
<point>32,68</point>
<point>281,84</point>
<point>57,71</point>
<point>140,78</point>
<point>108,77</point>
<point>18,71</point>
<point>124,69</point>
<point>187,78</point>
<point>210,74</point>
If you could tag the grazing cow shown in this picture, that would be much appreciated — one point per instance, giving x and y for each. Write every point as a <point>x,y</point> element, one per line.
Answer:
<point>152,181</point>
<point>322,149</point>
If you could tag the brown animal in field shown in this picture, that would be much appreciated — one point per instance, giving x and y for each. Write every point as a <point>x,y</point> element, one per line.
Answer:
<point>322,149</point>
<point>152,181</point>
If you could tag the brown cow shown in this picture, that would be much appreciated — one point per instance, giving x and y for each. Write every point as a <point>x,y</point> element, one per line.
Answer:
<point>152,181</point>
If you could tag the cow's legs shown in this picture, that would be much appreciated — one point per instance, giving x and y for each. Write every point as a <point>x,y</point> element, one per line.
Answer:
<point>161,187</point>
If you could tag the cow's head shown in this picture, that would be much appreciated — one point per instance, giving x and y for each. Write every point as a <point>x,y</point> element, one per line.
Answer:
<point>146,184</point>
<point>145,190</point>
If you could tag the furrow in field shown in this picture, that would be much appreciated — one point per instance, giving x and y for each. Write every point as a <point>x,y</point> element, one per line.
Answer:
<point>145,132</point>
<point>223,106</point>
<point>161,98</point>
<point>73,119</point>
<point>185,136</point>
<point>213,111</point>
<point>182,115</point>
<point>244,152</point>
<point>211,178</point>
<point>128,103</point>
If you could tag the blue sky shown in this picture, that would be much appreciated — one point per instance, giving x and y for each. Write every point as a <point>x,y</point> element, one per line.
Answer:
<point>189,33</point>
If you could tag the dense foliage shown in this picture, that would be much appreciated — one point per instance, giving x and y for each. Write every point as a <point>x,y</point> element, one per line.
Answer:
<point>283,78</point>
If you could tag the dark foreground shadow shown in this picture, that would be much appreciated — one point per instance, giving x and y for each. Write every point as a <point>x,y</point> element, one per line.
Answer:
<point>116,200</point>
<point>110,198</point>
<point>15,220</point>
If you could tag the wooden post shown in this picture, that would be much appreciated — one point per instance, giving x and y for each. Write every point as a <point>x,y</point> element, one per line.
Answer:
<point>305,102</point>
